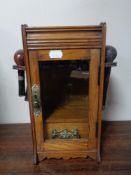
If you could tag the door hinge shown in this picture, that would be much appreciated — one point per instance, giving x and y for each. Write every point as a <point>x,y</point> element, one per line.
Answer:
<point>99,73</point>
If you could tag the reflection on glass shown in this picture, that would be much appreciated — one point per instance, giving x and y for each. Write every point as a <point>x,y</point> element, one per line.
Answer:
<point>64,96</point>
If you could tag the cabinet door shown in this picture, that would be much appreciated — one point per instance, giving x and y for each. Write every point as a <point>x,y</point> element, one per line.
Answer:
<point>65,89</point>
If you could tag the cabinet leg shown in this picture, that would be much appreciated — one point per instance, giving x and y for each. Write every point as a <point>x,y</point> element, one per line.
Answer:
<point>98,157</point>
<point>35,159</point>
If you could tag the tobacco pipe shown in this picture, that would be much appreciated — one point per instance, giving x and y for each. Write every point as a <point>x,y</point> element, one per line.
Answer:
<point>19,60</point>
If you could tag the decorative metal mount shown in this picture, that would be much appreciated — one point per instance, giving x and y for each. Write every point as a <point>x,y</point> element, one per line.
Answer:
<point>65,134</point>
<point>36,100</point>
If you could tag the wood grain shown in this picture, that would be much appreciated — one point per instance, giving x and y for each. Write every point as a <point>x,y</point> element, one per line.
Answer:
<point>27,67</point>
<point>76,43</point>
<point>68,54</point>
<point>64,37</point>
<point>34,70</point>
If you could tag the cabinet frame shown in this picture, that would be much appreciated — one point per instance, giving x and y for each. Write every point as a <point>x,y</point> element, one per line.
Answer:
<point>86,42</point>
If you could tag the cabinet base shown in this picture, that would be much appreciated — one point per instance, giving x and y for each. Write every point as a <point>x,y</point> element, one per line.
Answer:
<point>67,155</point>
<point>35,159</point>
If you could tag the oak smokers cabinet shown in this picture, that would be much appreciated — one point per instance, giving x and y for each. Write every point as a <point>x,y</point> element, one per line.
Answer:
<point>65,73</point>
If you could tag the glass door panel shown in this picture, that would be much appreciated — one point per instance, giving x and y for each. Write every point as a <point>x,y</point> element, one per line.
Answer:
<point>64,95</point>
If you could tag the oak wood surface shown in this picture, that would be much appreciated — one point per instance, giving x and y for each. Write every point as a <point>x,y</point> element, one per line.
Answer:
<point>26,60</point>
<point>82,43</point>
<point>91,118</point>
<point>35,79</point>
<point>16,153</point>
<point>68,54</point>
<point>64,37</point>
<point>101,82</point>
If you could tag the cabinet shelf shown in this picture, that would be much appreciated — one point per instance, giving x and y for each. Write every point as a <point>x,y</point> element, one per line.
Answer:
<point>75,110</point>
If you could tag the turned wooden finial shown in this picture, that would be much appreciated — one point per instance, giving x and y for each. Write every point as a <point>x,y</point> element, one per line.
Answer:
<point>111,53</point>
<point>19,57</point>
<point>19,60</point>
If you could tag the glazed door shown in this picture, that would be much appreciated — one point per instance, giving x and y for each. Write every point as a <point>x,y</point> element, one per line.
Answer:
<point>65,89</point>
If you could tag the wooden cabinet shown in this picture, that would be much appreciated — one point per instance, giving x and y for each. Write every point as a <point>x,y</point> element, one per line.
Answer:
<point>65,73</point>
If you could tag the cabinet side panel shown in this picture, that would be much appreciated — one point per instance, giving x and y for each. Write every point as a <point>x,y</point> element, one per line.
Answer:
<point>102,64</point>
<point>34,74</point>
<point>93,91</point>
<point>26,60</point>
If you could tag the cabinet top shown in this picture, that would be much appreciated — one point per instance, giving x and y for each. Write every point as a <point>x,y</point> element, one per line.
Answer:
<point>63,28</point>
<point>63,37</point>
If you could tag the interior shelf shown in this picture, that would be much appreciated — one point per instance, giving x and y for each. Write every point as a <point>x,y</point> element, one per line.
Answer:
<point>74,110</point>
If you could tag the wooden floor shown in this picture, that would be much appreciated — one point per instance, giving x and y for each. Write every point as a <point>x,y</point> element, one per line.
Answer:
<point>16,153</point>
